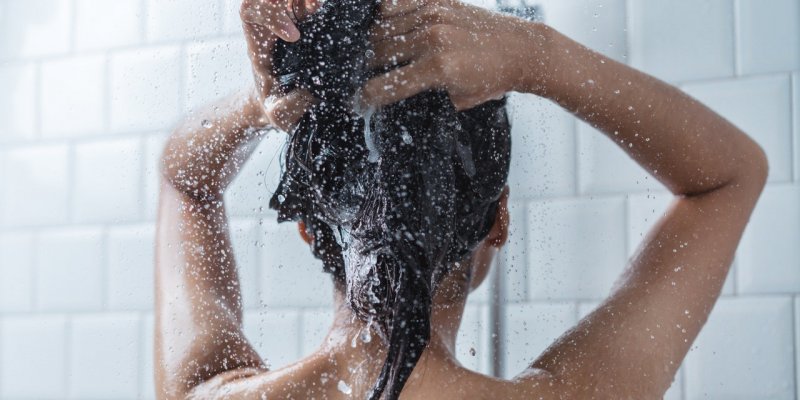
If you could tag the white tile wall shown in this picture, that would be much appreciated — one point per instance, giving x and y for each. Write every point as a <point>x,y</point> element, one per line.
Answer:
<point>769,256</point>
<point>680,40</point>
<point>131,256</point>
<point>91,88</point>
<point>576,248</point>
<point>34,28</point>
<point>69,269</point>
<point>768,37</point>
<point>762,366</point>
<point>542,150</point>
<point>73,96</point>
<point>107,181</point>
<point>181,19</point>
<point>145,88</point>
<point>18,103</point>
<point>605,168</point>
<point>94,19</point>
<point>16,272</point>
<point>274,334</point>
<point>761,107</point>
<point>39,176</point>
<point>105,355</point>
<point>33,357</point>
<point>290,275</point>
<point>215,69</point>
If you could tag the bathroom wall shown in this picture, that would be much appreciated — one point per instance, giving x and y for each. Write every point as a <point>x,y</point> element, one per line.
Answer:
<point>89,89</point>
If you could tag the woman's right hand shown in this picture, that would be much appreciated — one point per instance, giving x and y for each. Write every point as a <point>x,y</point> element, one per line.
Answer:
<point>264,21</point>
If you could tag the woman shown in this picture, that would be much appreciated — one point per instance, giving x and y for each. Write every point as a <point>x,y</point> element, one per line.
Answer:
<point>630,347</point>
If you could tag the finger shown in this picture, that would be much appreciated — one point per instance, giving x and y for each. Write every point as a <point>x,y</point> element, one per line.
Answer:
<point>285,112</point>
<point>432,14</point>
<point>260,42</point>
<point>401,25</point>
<point>401,83</point>
<point>271,15</point>
<point>397,7</point>
<point>398,50</point>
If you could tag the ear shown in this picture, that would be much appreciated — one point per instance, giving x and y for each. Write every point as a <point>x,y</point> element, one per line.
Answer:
<point>301,226</point>
<point>499,233</point>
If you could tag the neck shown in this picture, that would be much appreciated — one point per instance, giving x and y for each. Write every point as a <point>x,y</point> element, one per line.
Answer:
<point>446,316</point>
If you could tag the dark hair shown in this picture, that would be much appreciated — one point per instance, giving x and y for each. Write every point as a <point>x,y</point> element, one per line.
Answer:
<point>392,197</point>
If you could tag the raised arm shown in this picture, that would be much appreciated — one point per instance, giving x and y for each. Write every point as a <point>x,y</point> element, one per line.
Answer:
<point>198,330</point>
<point>634,343</point>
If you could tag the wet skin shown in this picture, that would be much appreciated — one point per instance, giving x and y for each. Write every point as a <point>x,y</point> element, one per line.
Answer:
<point>629,348</point>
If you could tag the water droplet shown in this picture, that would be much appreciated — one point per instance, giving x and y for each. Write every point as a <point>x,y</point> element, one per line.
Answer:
<point>281,198</point>
<point>407,139</point>
<point>342,386</point>
<point>206,124</point>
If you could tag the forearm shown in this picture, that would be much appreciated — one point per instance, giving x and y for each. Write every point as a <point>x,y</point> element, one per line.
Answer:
<point>681,142</point>
<point>203,155</point>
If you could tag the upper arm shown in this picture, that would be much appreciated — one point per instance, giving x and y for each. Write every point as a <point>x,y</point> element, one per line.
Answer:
<point>198,311</point>
<point>633,343</point>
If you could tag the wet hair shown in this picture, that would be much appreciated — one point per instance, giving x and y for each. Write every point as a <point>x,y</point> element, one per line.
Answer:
<point>393,196</point>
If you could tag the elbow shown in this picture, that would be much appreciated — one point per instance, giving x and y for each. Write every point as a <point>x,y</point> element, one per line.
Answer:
<point>757,166</point>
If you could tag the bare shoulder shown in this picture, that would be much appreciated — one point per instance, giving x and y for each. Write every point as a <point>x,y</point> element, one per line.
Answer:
<point>315,378</point>
<point>308,378</point>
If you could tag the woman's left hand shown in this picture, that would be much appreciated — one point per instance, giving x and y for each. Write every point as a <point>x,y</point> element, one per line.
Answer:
<point>474,54</point>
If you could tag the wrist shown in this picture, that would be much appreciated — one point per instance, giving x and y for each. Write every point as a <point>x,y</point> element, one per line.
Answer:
<point>537,73</point>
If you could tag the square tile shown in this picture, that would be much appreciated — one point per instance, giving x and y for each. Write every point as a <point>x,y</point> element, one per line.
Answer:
<point>107,181</point>
<point>33,357</point>
<point>603,167</point>
<point>215,69</point>
<point>145,87</point>
<point>542,148</point>
<point>768,36</point>
<point>18,103</point>
<point>528,329</point>
<point>681,40</point>
<point>275,334</point>
<point>759,106</point>
<point>731,358</point>
<point>95,19</point>
<point>69,270</point>
<point>769,256</point>
<point>181,19</point>
<point>576,248</point>
<point>73,97</point>
<point>16,272</point>
<point>39,176</point>
<point>131,258</point>
<point>104,356</point>
<point>290,274</point>
<point>35,28</point>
